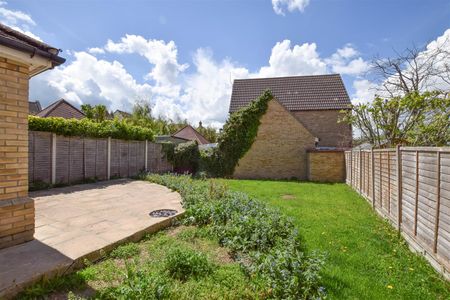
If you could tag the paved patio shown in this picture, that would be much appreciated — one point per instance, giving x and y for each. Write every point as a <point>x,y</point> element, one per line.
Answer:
<point>80,222</point>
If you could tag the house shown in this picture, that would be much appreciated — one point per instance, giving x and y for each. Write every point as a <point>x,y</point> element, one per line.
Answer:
<point>34,107</point>
<point>21,57</point>
<point>189,133</point>
<point>168,138</point>
<point>304,114</point>
<point>62,109</point>
<point>119,114</point>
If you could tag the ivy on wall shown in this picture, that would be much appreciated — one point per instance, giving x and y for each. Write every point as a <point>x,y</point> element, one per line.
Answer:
<point>184,157</point>
<point>87,128</point>
<point>238,135</point>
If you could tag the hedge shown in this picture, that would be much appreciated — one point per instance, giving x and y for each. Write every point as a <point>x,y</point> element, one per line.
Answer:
<point>88,128</point>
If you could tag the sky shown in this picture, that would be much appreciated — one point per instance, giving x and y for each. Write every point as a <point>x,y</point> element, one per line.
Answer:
<point>182,56</point>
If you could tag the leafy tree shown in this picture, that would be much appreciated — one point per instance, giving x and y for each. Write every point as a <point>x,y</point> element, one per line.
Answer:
<point>209,132</point>
<point>414,119</point>
<point>97,113</point>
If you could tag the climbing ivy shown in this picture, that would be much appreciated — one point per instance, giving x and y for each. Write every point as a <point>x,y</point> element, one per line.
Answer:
<point>184,157</point>
<point>238,135</point>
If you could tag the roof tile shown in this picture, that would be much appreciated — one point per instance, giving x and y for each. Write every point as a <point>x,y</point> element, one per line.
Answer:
<point>316,92</point>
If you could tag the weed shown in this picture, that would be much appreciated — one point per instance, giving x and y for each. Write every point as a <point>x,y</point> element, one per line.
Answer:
<point>183,263</point>
<point>125,251</point>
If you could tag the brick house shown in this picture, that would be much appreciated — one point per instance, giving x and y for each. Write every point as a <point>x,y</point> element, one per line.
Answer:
<point>189,133</point>
<point>61,108</point>
<point>304,114</point>
<point>21,58</point>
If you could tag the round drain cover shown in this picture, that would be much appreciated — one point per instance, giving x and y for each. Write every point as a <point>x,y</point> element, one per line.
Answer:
<point>162,213</point>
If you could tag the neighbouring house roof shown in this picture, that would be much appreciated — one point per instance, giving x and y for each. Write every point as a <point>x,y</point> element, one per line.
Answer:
<point>61,108</point>
<point>34,107</point>
<point>16,40</point>
<point>189,133</point>
<point>121,114</point>
<point>296,93</point>
<point>169,138</point>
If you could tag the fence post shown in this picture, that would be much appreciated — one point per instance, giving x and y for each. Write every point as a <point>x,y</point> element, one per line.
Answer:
<point>416,198</point>
<point>438,201</point>
<point>389,181</point>
<point>373,177</point>
<point>53,158</point>
<point>351,167</point>
<point>399,187</point>
<point>146,156</point>
<point>108,161</point>
<point>360,171</point>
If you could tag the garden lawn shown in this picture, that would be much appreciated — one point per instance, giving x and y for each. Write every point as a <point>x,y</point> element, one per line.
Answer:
<point>365,257</point>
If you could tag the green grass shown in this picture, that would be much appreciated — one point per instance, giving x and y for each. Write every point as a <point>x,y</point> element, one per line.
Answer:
<point>365,257</point>
<point>178,263</point>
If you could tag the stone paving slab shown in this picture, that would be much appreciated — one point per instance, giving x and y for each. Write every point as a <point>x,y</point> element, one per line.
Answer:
<point>80,222</point>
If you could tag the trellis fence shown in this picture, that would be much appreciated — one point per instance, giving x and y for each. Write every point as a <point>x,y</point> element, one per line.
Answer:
<point>54,159</point>
<point>410,186</point>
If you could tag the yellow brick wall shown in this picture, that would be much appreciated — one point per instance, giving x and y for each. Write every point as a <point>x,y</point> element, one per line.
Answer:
<point>279,151</point>
<point>326,166</point>
<point>16,209</point>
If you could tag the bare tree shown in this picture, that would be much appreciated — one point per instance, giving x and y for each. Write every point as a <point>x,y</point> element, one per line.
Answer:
<point>414,70</point>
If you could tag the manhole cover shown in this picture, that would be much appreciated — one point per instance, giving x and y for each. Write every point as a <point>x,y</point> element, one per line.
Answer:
<point>162,213</point>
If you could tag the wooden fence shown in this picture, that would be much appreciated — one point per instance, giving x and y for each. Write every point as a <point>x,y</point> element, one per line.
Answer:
<point>54,159</point>
<point>410,186</point>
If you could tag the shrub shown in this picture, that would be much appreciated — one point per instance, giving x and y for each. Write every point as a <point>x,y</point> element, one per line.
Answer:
<point>184,263</point>
<point>88,128</point>
<point>184,157</point>
<point>264,241</point>
<point>125,251</point>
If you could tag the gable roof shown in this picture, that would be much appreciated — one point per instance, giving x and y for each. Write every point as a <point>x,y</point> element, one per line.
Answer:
<point>316,92</point>
<point>189,133</point>
<point>14,39</point>
<point>46,112</point>
<point>34,107</point>
<point>121,113</point>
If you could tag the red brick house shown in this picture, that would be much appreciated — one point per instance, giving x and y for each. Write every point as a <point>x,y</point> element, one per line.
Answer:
<point>60,108</point>
<point>189,133</point>
<point>303,114</point>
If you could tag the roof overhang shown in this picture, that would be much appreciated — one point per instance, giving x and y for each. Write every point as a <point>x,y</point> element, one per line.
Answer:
<point>38,60</point>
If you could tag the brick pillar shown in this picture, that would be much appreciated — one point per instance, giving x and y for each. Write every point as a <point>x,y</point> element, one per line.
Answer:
<point>16,209</point>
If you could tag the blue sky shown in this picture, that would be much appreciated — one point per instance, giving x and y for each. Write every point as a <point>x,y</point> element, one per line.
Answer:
<point>213,42</point>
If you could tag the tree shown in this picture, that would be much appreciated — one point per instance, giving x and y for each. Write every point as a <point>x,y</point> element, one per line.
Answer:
<point>414,119</point>
<point>414,70</point>
<point>209,132</point>
<point>97,113</point>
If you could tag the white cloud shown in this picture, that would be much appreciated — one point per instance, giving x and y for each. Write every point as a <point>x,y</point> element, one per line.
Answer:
<point>90,80</point>
<point>161,55</point>
<point>364,91</point>
<point>344,61</point>
<point>298,60</point>
<point>280,5</point>
<point>96,50</point>
<point>17,20</point>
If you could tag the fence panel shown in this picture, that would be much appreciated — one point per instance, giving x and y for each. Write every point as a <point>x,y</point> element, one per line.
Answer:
<point>77,159</point>
<point>424,184</point>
